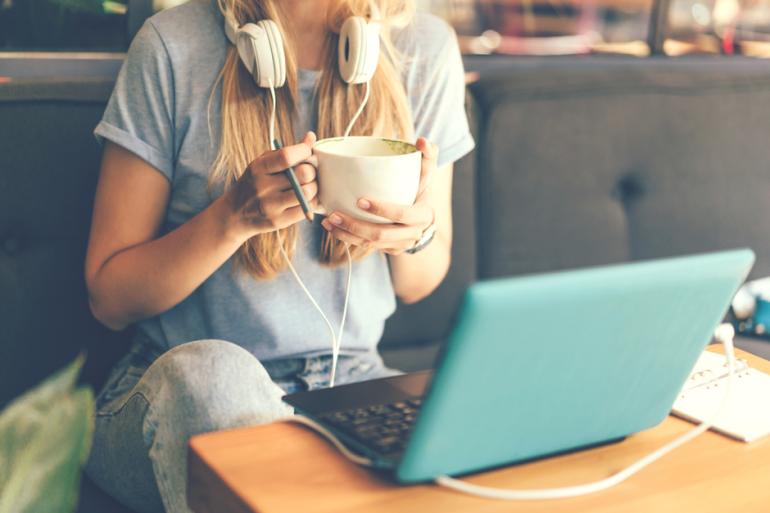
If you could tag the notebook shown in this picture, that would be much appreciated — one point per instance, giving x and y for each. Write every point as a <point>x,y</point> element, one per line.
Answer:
<point>746,417</point>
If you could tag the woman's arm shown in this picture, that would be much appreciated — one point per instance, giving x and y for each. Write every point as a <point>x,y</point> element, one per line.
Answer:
<point>132,274</point>
<point>414,276</point>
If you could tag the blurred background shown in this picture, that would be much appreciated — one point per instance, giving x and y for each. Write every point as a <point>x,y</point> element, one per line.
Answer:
<point>607,131</point>
<point>638,27</point>
<point>520,27</point>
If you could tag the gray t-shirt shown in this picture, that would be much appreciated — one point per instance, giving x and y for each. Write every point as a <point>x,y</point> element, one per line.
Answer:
<point>159,110</point>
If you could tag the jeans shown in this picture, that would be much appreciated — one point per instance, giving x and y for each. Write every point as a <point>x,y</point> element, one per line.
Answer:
<point>153,403</point>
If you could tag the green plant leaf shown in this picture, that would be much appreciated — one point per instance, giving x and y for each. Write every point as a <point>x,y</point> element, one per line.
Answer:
<point>45,437</point>
<point>92,6</point>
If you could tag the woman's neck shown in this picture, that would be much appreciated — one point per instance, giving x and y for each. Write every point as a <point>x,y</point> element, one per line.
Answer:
<point>306,21</point>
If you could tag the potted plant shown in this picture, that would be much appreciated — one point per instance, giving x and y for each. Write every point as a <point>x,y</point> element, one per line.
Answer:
<point>45,437</point>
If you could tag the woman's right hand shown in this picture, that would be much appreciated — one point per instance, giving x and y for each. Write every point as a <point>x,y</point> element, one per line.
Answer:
<point>262,199</point>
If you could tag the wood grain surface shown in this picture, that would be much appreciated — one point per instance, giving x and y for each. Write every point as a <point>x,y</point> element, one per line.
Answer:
<point>283,467</point>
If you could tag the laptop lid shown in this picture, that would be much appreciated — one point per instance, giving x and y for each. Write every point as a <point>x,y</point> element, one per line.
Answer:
<point>542,364</point>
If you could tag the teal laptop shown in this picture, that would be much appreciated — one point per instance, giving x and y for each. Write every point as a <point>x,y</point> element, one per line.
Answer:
<point>538,365</point>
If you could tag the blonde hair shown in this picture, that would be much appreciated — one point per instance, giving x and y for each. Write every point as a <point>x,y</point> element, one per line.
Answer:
<point>245,112</point>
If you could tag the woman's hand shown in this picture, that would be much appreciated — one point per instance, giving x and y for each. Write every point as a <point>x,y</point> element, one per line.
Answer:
<point>262,199</point>
<point>409,222</point>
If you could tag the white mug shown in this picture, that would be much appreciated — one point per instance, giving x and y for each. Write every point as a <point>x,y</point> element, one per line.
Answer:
<point>351,168</point>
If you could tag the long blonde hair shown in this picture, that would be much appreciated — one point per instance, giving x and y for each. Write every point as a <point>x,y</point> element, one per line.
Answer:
<point>245,112</point>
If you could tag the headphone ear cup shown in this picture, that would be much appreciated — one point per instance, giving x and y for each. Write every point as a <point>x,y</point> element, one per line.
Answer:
<point>358,50</point>
<point>276,64</point>
<point>260,47</point>
<point>247,40</point>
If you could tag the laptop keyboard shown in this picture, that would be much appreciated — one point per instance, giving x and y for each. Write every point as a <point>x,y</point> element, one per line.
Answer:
<point>384,428</point>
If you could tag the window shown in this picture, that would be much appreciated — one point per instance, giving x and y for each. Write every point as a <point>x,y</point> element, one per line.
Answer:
<point>672,27</point>
<point>547,26</point>
<point>718,27</point>
<point>73,25</point>
<point>518,27</point>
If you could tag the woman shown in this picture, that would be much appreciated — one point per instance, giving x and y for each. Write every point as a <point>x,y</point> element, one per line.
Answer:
<point>190,209</point>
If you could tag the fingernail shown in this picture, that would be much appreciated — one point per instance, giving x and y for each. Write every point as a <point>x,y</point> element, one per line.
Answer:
<point>362,203</point>
<point>326,225</point>
<point>335,219</point>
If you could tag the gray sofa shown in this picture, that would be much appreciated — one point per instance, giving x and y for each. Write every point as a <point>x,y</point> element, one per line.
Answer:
<point>580,161</point>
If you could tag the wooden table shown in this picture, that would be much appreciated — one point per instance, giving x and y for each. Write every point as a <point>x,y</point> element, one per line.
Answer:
<point>284,467</point>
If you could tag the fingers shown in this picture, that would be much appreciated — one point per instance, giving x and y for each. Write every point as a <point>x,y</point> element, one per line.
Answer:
<point>310,138</point>
<point>344,236</point>
<point>273,214</point>
<point>419,214</point>
<point>428,149</point>
<point>276,203</point>
<point>429,161</point>
<point>266,184</point>
<point>264,196</point>
<point>305,173</point>
<point>395,247</point>
<point>292,216</point>
<point>378,235</point>
<point>278,160</point>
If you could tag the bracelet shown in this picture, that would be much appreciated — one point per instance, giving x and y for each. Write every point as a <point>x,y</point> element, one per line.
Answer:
<point>427,237</point>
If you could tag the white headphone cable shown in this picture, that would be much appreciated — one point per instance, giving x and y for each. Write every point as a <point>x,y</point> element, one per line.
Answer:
<point>271,129</point>
<point>336,337</point>
<point>359,111</point>
<point>724,334</point>
<point>336,352</point>
<point>315,426</point>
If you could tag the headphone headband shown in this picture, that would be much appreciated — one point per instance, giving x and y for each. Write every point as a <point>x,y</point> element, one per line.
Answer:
<point>261,49</point>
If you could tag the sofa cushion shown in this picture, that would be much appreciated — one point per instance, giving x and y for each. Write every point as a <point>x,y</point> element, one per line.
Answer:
<point>50,164</point>
<point>597,160</point>
<point>45,210</point>
<point>93,500</point>
<point>431,319</point>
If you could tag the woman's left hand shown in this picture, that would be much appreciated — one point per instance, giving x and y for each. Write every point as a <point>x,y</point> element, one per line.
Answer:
<point>409,221</point>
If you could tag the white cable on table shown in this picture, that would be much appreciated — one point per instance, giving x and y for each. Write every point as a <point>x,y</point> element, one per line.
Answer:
<point>724,334</point>
<point>315,426</point>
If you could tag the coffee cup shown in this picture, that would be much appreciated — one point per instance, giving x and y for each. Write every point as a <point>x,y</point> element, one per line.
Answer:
<point>351,168</point>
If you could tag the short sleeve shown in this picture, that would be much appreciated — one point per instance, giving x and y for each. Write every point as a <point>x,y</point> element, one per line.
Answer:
<point>436,89</point>
<point>139,114</point>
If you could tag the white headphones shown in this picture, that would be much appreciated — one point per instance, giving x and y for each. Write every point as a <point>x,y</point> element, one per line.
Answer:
<point>260,47</point>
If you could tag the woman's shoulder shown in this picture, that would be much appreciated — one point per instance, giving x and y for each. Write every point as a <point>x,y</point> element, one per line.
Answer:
<point>425,36</point>
<point>191,29</point>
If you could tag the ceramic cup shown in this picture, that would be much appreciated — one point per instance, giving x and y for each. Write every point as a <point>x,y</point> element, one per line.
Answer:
<point>351,168</point>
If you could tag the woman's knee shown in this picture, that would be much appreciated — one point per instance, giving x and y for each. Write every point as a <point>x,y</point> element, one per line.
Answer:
<point>214,384</point>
